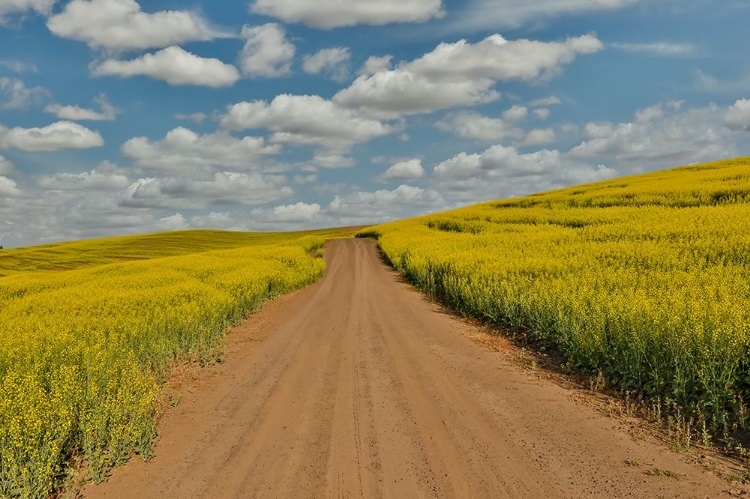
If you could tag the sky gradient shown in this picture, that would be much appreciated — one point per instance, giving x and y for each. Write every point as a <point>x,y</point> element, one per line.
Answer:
<point>121,117</point>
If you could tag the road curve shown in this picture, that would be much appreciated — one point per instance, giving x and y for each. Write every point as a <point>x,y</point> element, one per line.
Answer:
<point>359,387</point>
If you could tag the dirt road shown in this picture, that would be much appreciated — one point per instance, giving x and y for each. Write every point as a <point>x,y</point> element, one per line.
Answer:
<point>359,387</point>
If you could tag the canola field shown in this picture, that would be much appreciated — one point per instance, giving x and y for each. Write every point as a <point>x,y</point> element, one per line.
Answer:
<point>84,351</point>
<point>644,279</point>
<point>87,253</point>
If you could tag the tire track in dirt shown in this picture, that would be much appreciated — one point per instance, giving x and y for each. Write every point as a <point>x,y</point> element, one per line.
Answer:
<point>358,387</point>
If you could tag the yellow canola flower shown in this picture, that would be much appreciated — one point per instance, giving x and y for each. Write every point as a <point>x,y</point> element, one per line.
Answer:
<point>84,351</point>
<point>644,278</point>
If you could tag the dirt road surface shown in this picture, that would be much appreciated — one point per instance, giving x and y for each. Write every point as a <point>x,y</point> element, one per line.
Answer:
<point>359,387</point>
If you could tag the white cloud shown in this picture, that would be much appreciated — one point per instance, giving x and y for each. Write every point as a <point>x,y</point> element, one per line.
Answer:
<point>665,49</point>
<point>224,188</point>
<point>460,74</point>
<point>663,136</point>
<point>194,117</point>
<point>332,160</point>
<point>502,171</point>
<point>8,7</point>
<point>122,25</point>
<point>290,213</point>
<point>502,60</point>
<point>174,65</point>
<point>516,113</point>
<point>738,116</point>
<point>172,222</point>
<point>375,64</point>
<point>18,95</point>
<point>403,170</point>
<point>469,125</point>
<point>597,130</point>
<point>328,14</point>
<point>295,216</point>
<point>6,166</point>
<point>107,111</point>
<point>382,205</point>
<point>60,135</point>
<point>305,119</point>
<point>18,66</point>
<point>546,101</point>
<point>542,113</point>
<point>332,62</point>
<point>267,52</point>
<point>540,136</point>
<point>182,151</point>
<point>480,15</point>
<point>85,181</point>
<point>391,94</point>
<point>8,188</point>
<point>218,220</point>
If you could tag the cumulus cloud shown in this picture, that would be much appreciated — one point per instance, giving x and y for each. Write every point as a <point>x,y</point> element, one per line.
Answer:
<point>106,111</point>
<point>503,60</point>
<point>122,25</point>
<point>327,14</point>
<point>18,95</point>
<point>10,7</point>
<point>93,180</point>
<point>375,64</point>
<point>224,188</point>
<point>6,166</point>
<point>331,62</point>
<point>60,135</point>
<point>325,159</point>
<point>516,113</point>
<point>539,136</point>
<point>174,65</point>
<point>267,52</point>
<point>295,216</point>
<point>305,119</point>
<point>661,135</point>
<point>172,222</point>
<point>461,74</point>
<point>470,125</point>
<point>383,205</point>
<point>664,49</point>
<point>290,213</point>
<point>738,116</point>
<point>8,188</point>
<point>392,94</point>
<point>403,170</point>
<point>502,171</point>
<point>184,151</point>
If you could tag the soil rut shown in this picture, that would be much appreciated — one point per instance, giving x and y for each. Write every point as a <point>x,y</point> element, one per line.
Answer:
<point>358,387</point>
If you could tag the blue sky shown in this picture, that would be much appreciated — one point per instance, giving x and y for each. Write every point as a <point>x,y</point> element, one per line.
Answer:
<point>123,117</point>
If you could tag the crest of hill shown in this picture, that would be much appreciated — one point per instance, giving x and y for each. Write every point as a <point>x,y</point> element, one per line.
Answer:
<point>93,252</point>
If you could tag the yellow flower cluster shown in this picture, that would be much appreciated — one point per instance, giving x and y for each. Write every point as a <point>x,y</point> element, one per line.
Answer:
<point>84,351</point>
<point>644,278</point>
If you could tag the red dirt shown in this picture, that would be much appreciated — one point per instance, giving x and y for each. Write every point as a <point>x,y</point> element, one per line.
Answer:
<point>359,387</point>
